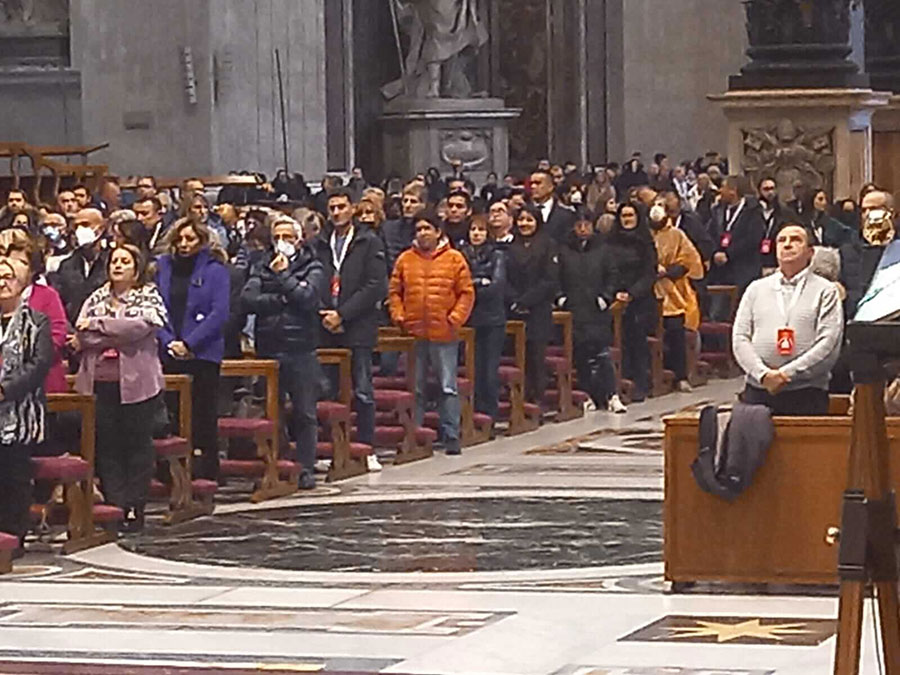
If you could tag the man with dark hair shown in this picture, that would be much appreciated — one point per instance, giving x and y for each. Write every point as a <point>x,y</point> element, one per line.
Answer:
<point>456,223</point>
<point>558,220</point>
<point>775,216</point>
<point>82,195</point>
<point>66,203</point>
<point>500,222</point>
<point>109,196</point>
<point>16,201</point>
<point>737,228</point>
<point>146,188</point>
<point>149,211</point>
<point>354,263</point>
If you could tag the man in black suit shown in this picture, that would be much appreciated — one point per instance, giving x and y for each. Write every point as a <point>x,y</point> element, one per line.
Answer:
<point>558,219</point>
<point>737,228</point>
<point>775,216</point>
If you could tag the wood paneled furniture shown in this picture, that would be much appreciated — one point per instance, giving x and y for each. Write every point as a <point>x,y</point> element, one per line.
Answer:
<point>347,459</point>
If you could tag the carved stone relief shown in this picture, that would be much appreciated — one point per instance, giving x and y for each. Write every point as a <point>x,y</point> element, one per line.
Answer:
<point>791,154</point>
<point>472,147</point>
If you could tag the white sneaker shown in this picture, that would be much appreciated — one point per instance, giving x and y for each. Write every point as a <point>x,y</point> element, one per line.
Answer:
<point>323,465</point>
<point>615,405</point>
<point>373,463</point>
<point>590,406</point>
<point>685,387</point>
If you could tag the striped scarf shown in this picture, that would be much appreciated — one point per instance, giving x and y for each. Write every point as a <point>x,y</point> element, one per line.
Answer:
<point>21,421</point>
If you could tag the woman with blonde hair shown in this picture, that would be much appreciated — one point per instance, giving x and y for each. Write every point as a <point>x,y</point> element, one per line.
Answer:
<point>117,329</point>
<point>195,286</point>
<point>369,213</point>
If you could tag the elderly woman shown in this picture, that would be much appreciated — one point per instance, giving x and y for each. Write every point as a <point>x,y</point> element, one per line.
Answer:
<point>117,329</point>
<point>27,352</point>
<point>195,286</point>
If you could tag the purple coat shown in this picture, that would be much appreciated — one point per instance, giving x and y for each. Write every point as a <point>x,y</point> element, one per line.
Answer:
<point>207,307</point>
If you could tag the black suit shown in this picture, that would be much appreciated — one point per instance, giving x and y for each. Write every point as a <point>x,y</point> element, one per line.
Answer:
<point>696,231</point>
<point>780,216</point>
<point>560,222</point>
<point>745,232</point>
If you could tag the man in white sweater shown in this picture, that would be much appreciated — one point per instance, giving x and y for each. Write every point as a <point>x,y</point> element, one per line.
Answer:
<point>788,332</point>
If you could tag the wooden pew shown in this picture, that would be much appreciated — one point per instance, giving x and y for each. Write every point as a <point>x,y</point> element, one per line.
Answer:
<point>264,432</point>
<point>775,531</point>
<point>177,453</point>
<point>474,427</point>
<point>662,381</point>
<point>523,417</point>
<point>347,459</point>
<point>624,386</point>
<point>721,361</point>
<point>563,370</point>
<point>79,489</point>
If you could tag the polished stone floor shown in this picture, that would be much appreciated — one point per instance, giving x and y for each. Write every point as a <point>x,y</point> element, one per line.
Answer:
<point>535,555</point>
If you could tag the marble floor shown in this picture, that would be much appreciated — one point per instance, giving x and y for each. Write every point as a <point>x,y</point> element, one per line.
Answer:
<point>540,554</point>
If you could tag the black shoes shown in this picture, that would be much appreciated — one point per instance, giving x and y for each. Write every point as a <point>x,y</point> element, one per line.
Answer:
<point>307,481</point>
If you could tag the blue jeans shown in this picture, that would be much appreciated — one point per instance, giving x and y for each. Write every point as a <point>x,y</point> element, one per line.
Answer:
<point>363,394</point>
<point>296,378</point>
<point>443,357</point>
<point>489,341</point>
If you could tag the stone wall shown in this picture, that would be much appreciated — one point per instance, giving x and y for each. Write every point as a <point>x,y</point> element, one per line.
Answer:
<point>132,57</point>
<point>674,55</point>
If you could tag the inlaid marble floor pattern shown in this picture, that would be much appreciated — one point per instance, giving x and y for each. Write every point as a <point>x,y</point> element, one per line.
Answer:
<point>540,554</point>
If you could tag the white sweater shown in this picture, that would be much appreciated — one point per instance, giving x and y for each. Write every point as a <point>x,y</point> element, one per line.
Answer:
<point>817,320</point>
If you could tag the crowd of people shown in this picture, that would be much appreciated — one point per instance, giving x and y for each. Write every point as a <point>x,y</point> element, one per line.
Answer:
<point>121,287</point>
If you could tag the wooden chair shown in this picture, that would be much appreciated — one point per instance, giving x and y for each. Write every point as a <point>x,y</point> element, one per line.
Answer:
<point>347,459</point>
<point>177,453</point>
<point>661,380</point>
<point>523,417</point>
<point>562,366</point>
<point>396,426</point>
<point>76,475</point>
<point>265,433</point>
<point>721,360</point>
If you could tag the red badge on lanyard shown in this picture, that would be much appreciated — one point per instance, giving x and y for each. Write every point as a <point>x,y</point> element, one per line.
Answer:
<point>725,241</point>
<point>765,246</point>
<point>336,286</point>
<point>786,342</point>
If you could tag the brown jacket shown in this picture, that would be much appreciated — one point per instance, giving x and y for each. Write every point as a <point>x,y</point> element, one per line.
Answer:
<point>678,297</point>
<point>431,294</point>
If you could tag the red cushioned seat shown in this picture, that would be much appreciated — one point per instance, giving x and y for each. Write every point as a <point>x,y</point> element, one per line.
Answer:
<point>332,410</point>
<point>390,399</point>
<point>508,374</point>
<point>580,397</point>
<point>107,513</point>
<point>530,409</point>
<point>241,467</point>
<point>556,350</point>
<point>507,360</point>
<point>384,418</point>
<point>715,357</point>
<point>556,363</point>
<point>172,446</point>
<point>204,488</point>
<point>464,386</point>
<point>287,468</point>
<point>397,382</point>
<point>8,542</point>
<point>715,328</point>
<point>66,469</point>
<point>432,420</point>
<point>389,436</point>
<point>551,397</point>
<point>158,489</point>
<point>357,450</point>
<point>482,421</point>
<point>243,427</point>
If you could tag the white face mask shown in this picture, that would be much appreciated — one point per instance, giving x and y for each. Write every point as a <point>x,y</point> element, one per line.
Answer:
<point>657,213</point>
<point>84,236</point>
<point>575,198</point>
<point>285,248</point>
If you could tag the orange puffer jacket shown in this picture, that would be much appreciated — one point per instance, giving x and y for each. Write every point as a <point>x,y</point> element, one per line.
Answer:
<point>431,294</point>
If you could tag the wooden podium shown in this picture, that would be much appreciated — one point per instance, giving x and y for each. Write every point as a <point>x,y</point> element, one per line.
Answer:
<point>868,534</point>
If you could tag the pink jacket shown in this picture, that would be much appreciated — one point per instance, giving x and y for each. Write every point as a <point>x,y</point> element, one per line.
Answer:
<point>46,300</point>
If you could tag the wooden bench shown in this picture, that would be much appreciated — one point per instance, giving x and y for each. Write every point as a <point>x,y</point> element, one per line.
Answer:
<point>347,459</point>
<point>662,381</point>
<point>8,544</point>
<point>522,416</point>
<point>624,386</point>
<point>561,362</point>
<point>775,531</point>
<point>721,360</point>
<point>177,454</point>
<point>76,474</point>
<point>265,433</point>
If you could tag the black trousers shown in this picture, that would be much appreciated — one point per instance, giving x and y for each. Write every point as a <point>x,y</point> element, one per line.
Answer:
<point>535,370</point>
<point>674,346</point>
<point>635,350</point>
<point>596,373</point>
<point>125,455</point>
<point>808,402</point>
<point>204,411</point>
<point>15,488</point>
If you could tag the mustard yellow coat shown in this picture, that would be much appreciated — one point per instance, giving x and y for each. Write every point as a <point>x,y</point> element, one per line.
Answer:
<point>678,296</point>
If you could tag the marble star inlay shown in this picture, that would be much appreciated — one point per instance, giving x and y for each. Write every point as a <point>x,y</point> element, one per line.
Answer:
<point>737,630</point>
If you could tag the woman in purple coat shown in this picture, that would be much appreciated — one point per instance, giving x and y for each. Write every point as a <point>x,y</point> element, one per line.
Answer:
<point>194,283</point>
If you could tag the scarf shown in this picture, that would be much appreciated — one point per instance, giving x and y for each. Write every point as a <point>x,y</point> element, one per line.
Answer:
<point>21,421</point>
<point>143,302</point>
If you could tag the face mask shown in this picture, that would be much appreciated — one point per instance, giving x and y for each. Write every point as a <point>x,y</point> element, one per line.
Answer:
<point>575,198</point>
<point>84,236</point>
<point>285,248</point>
<point>878,230</point>
<point>657,213</point>
<point>52,234</point>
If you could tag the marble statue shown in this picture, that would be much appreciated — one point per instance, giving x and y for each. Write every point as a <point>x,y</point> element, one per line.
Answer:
<point>442,36</point>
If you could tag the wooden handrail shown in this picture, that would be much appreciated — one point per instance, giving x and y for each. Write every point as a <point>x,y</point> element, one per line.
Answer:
<point>517,330</point>
<point>257,367</point>
<point>343,359</point>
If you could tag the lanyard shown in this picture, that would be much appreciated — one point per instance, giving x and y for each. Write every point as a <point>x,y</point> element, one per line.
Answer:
<point>678,222</point>
<point>795,298</point>
<point>735,216</point>
<point>339,257</point>
<point>770,224</point>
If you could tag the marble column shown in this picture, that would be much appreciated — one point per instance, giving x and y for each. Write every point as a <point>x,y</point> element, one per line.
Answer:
<point>800,111</point>
<point>797,43</point>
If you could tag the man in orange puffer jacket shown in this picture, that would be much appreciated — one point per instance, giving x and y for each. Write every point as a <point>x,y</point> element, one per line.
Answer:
<point>431,296</point>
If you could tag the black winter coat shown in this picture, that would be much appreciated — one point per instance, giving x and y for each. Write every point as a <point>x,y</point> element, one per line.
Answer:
<point>744,260</point>
<point>398,236</point>
<point>488,266</point>
<point>634,264</point>
<point>532,272</point>
<point>560,223</point>
<point>72,284</point>
<point>363,287</point>
<point>586,276</point>
<point>286,304</point>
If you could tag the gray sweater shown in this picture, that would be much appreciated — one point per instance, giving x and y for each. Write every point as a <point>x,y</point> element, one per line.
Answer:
<point>817,320</point>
